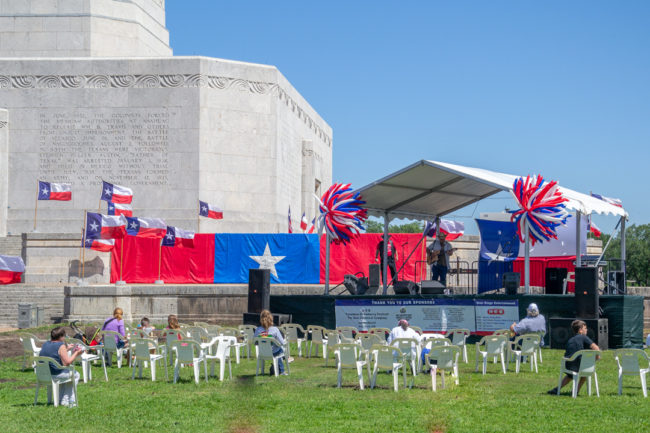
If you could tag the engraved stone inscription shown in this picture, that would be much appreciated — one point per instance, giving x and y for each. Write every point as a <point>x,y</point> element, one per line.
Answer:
<point>129,146</point>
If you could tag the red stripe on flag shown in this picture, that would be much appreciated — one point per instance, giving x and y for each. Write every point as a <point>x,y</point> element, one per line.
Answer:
<point>61,196</point>
<point>10,277</point>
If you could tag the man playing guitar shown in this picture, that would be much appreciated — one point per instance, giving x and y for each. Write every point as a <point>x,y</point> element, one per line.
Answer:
<point>438,254</point>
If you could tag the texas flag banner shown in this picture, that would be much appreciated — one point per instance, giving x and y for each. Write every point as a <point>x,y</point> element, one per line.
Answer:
<point>613,201</point>
<point>176,237</point>
<point>453,229</point>
<point>54,191</point>
<point>146,227</point>
<point>116,193</point>
<point>312,226</point>
<point>103,245</point>
<point>11,269</point>
<point>303,222</point>
<point>100,226</point>
<point>209,211</point>
<point>594,229</point>
<point>120,209</point>
<point>290,227</point>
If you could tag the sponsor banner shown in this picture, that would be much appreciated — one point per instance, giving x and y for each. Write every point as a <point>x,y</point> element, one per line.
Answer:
<point>432,315</point>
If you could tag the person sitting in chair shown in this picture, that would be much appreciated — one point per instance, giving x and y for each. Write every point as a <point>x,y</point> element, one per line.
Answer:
<point>532,323</point>
<point>266,329</point>
<point>57,349</point>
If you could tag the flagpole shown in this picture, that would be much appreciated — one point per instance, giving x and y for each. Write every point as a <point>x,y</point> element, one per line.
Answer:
<point>83,245</point>
<point>159,280</point>
<point>198,218</point>
<point>327,264</point>
<point>38,189</point>
<point>121,261</point>
<point>527,260</point>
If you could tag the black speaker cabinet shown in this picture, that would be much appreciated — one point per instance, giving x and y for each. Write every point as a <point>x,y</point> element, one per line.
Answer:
<point>356,285</point>
<point>259,290</point>
<point>586,293</point>
<point>555,280</point>
<point>432,287</point>
<point>511,282</point>
<point>278,319</point>
<point>615,282</point>
<point>373,276</point>
<point>405,288</point>
<point>597,330</point>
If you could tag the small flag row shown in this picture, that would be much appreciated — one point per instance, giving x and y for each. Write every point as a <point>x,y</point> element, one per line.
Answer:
<point>305,226</point>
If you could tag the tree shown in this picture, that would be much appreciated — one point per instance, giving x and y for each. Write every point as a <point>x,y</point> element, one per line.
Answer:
<point>637,243</point>
<point>378,227</point>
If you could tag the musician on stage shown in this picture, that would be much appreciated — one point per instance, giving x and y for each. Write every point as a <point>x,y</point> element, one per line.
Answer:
<point>438,254</point>
<point>391,255</point>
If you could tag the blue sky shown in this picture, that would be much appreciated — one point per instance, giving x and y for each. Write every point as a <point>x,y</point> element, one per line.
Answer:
<point>557,88</point>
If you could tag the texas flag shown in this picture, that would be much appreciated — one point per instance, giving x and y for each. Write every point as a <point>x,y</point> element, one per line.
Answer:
<point>613,201</point>
<point>103,245</point>
<point>11,268</point>
<point>209,211</point>
<point>290,227</point>
<point>176,237</point>
<point>453,229</point>
<point>594,230</point>
<point>120,209</point>
<point>54,191</point>
<point>303,222</point>
<point>312,226</point>
<point>100,226</point>
<point>116,193</point>
<point>146,227</point>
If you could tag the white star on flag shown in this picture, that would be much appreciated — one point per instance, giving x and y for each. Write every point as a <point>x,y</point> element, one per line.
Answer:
<point>204,208</point>
<point>134,225</point>
<point>45,191</point>
<point>267,261</point>
<point>169,236</point>
<point>94,226</point>
<point>107,192</point>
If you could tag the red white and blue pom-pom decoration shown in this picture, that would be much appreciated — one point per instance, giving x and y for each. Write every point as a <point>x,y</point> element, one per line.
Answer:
<point>341,213</point>
<point>541,208</point>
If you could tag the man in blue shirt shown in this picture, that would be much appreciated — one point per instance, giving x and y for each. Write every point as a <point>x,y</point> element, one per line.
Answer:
<point>532,323</point>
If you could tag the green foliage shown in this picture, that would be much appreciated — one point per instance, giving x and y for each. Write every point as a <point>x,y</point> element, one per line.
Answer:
<point>637,242</point>
<point>308,401</point>
<point>378,227</point>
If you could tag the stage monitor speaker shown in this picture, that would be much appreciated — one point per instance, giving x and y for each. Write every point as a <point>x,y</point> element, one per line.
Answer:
<point>373,276</point>
<point>555,280</point>
<point>511,282</point>
<point>259,290</point>
<point>356,285</point>
<point>405,287</point>
<point>615,282</point>
<point>597,330</point>
<point>586,293</point>
<point>432,287</point>
<point>278,319</point>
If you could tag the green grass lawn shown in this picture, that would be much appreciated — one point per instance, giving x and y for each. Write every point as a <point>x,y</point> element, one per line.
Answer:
<point>309,401</point>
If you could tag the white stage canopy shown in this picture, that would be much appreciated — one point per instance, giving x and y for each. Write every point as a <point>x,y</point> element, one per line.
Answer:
<point>429,189</point>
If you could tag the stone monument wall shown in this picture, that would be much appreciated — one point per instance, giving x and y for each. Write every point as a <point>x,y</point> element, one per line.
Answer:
<point>4,170</point>
<point>175,130</point>
<point>83,28</point>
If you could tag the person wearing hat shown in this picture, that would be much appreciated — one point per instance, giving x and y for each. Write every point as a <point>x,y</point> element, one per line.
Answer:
<point>533,322</point>
<point>402,330</point>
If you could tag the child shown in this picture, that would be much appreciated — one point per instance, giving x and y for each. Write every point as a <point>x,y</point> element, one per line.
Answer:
<point>579,341</point>
<point>145,326</point>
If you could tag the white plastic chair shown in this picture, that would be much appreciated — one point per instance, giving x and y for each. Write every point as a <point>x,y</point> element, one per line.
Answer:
<point>221,353</point>
<point>86,358</point>
<point>491,346</point>
<point>409,349</point>
<point>347,333</point>
<point>382,359</point>
<point>171,335</point>
<point>587,369</point>
<point>331,339</point>
<point>347,356</point>
<point>142,349</point>
<point>189,352</point>
<point>292,333</point>
<point>233,332</point>
<point>264,352</point>
<point>248,332</point>
<point>44,377</point>
<point>110,345</point>
<point>197,333</point>
<point>446,358</point>
<point>30,350</point>
<point>526,345</point>
<point>629,364</point>
<point>458,338</point>
<point>380,332</point>
<point>365,342</point>
<point>317,338</point>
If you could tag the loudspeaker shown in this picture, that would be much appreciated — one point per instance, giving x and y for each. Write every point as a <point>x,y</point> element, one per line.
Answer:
<point>597,330</point>
<point>259,290</point>
<point>511,282</point>
<point>373,276</point>
<point>278,319</point>
<point>615,282</point>
<point>555,280</point>
<point>431,287</point>
<point>405,287</point>
<point>356,285</point>
<point>586,293</point>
